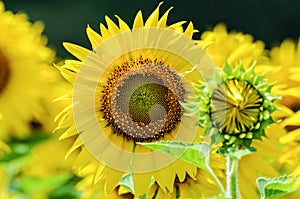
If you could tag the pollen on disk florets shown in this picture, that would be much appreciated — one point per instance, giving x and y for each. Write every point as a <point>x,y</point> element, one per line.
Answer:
<point>4,72</point>
<point>234,106</point>
<point>140,99</point>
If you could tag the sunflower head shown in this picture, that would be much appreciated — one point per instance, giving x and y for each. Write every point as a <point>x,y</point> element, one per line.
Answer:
<point>235,106</point>
<point>128,89</point>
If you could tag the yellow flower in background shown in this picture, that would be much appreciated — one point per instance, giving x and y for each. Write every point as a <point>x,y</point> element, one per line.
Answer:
<point>32,162</point>
<point>233,46</point>
<point>57,86</point>
<point>236,47</point>
<point>285,61</point>
<point>23,54</point>
<point>127,89</point>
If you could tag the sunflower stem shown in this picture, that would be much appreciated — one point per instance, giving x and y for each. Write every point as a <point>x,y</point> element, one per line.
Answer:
<point>217,181</point>
<point>232,177</point>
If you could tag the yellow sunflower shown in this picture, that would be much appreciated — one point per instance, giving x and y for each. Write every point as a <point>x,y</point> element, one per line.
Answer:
<point>233,46</point>
<point>236,47</point>
<point>23,53</point>
<point>128,89</point>
<point>285,61</point>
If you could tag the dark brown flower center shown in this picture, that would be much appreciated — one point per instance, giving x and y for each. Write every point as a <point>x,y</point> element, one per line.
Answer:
<point>141,100</point>
<point>5,72</point>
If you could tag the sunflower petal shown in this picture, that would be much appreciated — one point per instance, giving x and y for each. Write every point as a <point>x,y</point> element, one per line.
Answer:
<point>141,183</point>
<point>68,133</point>
<point>93,36</point>
<point>113,180</point>
<point>153,18</point>
<point>112,27</point>
<point>78,51</point>
<point>84,158</point>
<point>177,26</point>
<point>138,21</point>
<point>122,25</point>
<point>162,23</point>
<point>165,178</point>
<point>75,146</point>
<point>190,30</point>
<point>104,31</point>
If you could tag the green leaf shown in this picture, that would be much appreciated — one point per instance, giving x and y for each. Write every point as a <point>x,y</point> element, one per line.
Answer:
<point>238,153</point>
<point>127,182</point>
<point>196,154</point>
<point>66,190</point>
<point>35,185</point>
<point>22,147</point>
<point>271,188</point>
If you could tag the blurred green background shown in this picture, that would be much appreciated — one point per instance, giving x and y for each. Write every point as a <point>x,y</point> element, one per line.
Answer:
<point>66,20</point>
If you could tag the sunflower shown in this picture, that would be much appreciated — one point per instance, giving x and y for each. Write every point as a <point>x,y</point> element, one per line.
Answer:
<point>128,88</point>
<point>237,108</point>
<point>285,61</point>
<point>236,47</point>
<point>23,53</point>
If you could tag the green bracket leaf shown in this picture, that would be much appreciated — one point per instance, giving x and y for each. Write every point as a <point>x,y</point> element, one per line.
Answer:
<point>196,154</point>
<point>127,182</point>
<point>271,188</point>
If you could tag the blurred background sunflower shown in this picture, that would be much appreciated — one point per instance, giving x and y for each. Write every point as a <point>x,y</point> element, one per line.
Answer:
<point>28,84</point>
<point>254,31</point>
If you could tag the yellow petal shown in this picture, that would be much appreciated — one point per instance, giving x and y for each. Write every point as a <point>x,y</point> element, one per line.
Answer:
<point>78,51</point>
<point>190,30</point>
<point>99,173</point>
<point>84,158</point>
<point>162,23</point>
<point>141,183</point>
<point>104,31</point>
<point>138,21</point>
<point>93,36</point>
<point>294,120</point>
<point>165,178</point>
<point>68,133</point>
<point>113,180</point>
<point>112,27</point>
<point>122,25</point>
<point>177,26</point>
<point>123,190</point>
<point>291,136</point>
<point>75,146</point>
<point>72,65</point>
<point>153,18</point>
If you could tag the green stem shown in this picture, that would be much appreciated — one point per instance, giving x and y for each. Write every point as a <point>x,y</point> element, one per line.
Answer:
<point>232,177</point>
<point>219,184</point>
